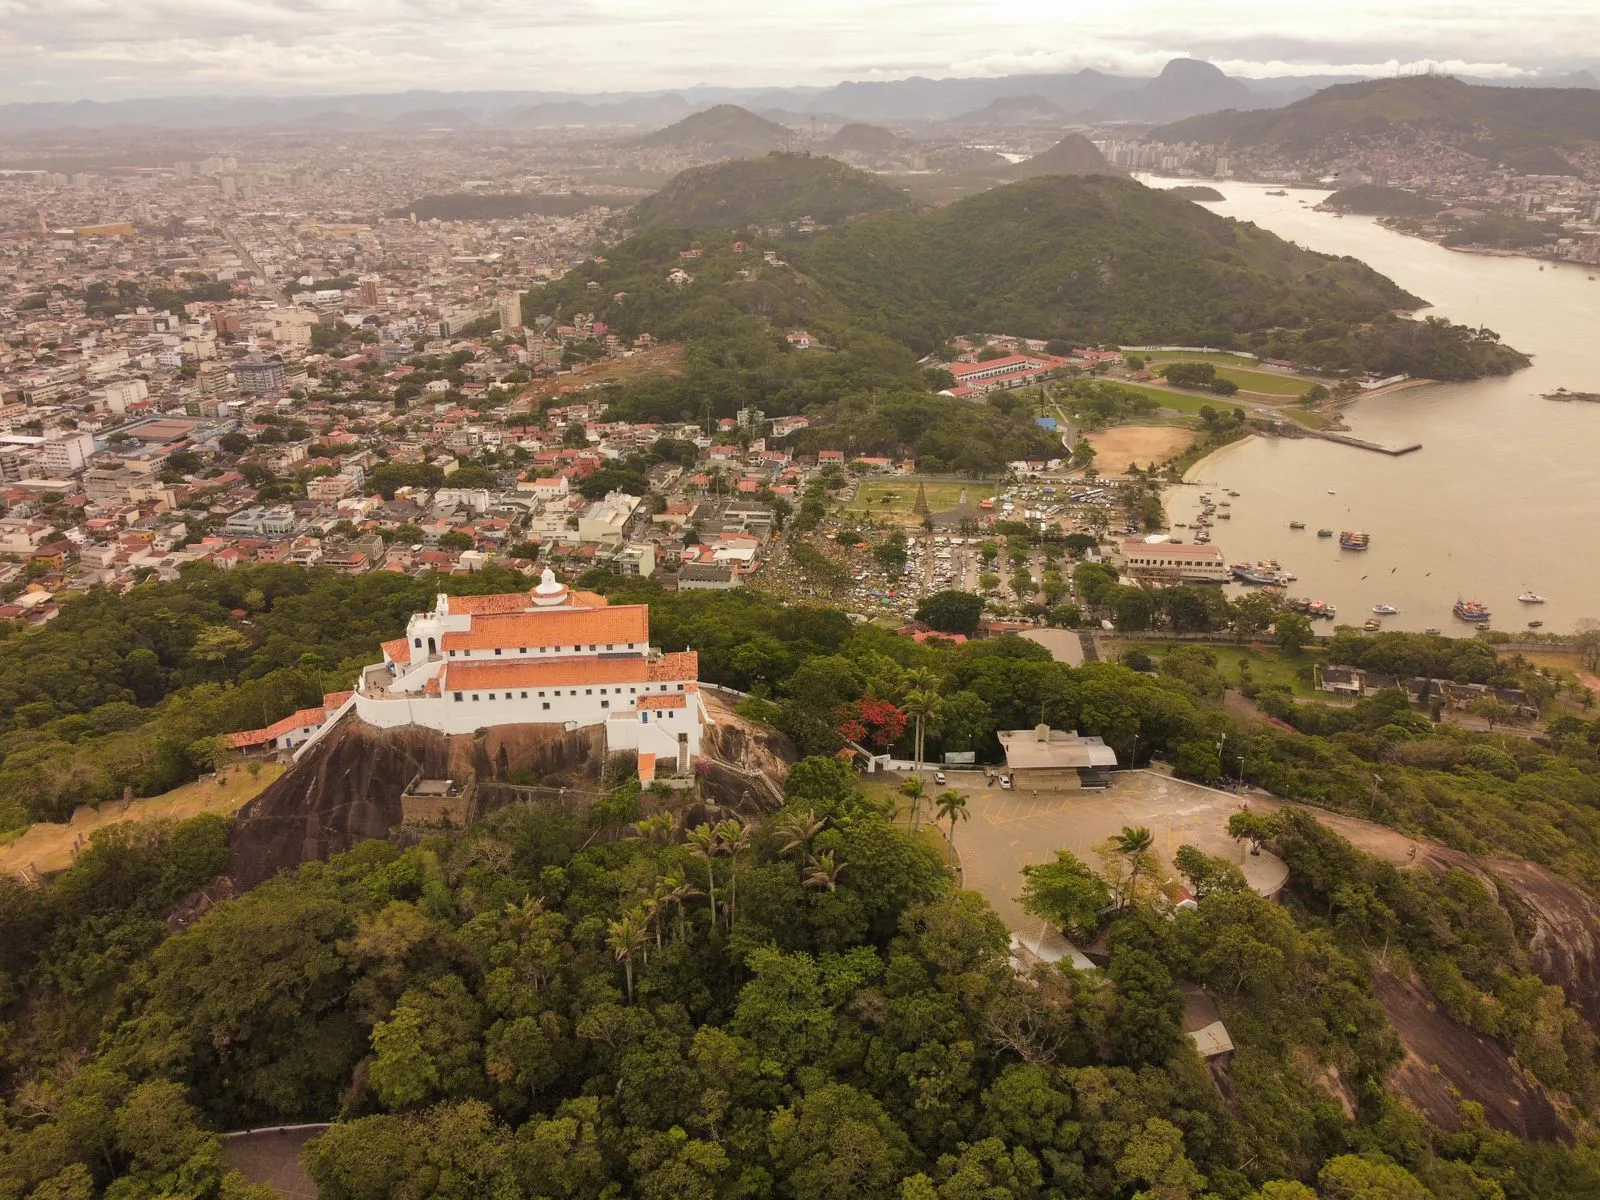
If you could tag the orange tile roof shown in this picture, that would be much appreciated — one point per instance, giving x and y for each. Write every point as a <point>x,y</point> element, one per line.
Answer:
<point>398,650</point>
<point>501,602</point>
<point>299,720</point>
<point>333,700</point>
<point>555,627</point>
<point>553,672</point>
<point>667,700</point>
<point>683,664</point>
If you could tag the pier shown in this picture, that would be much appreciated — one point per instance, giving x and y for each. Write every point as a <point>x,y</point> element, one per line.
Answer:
<point>1291,430</point>
<point>1344,439</point>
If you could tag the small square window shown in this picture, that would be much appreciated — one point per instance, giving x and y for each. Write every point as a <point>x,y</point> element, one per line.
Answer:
<point>458,697</point>
<point>474,697</point>
<point>680,687</point>
<point>592,646</point>
<point>522,649</point>
<point>524,695</point>
<point>541,695</point>
<point>633,691</point>
<point>491,695</point>
<point>497,651</point>
<point>605,704</point>
<point>609,646</point>
<point>587,692</point>
<point>546,706</point>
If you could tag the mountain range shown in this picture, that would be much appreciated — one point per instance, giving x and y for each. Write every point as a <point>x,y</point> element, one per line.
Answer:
<point>1521,126</point>
<point>1183,88</point>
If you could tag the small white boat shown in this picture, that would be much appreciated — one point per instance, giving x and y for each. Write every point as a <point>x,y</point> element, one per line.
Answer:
<point>1385,609</point>
<point>1531,598</point>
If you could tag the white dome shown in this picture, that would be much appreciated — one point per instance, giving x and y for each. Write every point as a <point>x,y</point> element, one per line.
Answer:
<point>548,592</point>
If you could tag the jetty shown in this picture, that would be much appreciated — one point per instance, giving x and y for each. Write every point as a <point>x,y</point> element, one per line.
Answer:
<point>1292,430</point>
<point>1344,439</point>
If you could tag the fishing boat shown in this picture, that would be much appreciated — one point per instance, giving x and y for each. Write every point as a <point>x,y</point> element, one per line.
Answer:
<point>1278,192</point>
<point>1316,608</point>
<point>1297,524</point>
<point>1433,631</point>
<point>1372,625</point>
<point>1531,597</point>
<point>1535,624</point>
<point>1471,610</point>
<point>1254,573</point>
<point>1224,516</point>
<point>1354,539</point>
<point>1324,533</point>
<point>1385,609</point>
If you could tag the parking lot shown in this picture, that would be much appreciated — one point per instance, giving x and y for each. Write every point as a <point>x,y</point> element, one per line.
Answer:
<point>1008,830</point>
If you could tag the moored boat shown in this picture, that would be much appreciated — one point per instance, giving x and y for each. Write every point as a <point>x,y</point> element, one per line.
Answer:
<point>1385,609</point>
<point>1354,539</point>
<point>1531,597</point>
<point>1324,533</point>
<point>1471,610</point>
<point>1297,524</point>
<point>1535,624</point>
<point>1372,625</point>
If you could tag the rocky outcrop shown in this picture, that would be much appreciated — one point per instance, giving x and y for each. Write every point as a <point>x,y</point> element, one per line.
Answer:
<point>348,788</point>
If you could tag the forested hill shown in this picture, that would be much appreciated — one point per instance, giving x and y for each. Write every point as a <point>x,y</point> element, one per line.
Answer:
<point>1092,259</point>
<point>724,131</point>
<point>776,190</point>
<point>1072,155</point>
<point>1494,122</point>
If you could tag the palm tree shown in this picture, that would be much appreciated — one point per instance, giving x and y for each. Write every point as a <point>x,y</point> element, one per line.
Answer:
<point>626,936</point>
<point>703,845</point>
<point>734,835</point>
<point>913,789</point>
<point>679,892</point>
<point>1133,843</point>
<point>823,872</point>
<point>953,808</point>
<point>921,704</point>
<point>801,828</point>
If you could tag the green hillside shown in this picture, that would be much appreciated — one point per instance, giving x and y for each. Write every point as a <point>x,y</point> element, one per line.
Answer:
<point>777,189</point>
<point>1072,155</point>
<point>1093,258</point>
<point>1373,200</point>
<point>873,141</point>
<point>1524,126</point>
<point>726,131</point>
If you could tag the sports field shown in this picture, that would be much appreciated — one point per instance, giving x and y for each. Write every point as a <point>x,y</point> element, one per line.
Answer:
<point>1245,374</point>
<point>897,497</point>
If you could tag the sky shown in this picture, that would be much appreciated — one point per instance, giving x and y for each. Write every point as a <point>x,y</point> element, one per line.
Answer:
<point>109,49</point>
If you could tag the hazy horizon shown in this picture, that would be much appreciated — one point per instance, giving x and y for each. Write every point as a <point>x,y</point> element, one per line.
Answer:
<point>65,50</point>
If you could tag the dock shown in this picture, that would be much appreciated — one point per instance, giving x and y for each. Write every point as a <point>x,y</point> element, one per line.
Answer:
<point>1292,430</point>
<point>1344,439</point>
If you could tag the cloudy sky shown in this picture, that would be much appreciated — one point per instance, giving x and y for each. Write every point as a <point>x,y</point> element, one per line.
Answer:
<point>108,49</point>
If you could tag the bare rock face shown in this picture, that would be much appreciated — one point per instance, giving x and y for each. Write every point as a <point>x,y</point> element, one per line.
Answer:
<point>1564,944</point>
<point>348,788</point>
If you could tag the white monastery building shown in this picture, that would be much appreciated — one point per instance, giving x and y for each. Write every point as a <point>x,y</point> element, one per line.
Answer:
<point>546,656</point>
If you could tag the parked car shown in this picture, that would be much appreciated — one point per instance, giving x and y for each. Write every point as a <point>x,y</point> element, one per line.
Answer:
<point>938,777</point>
<point>1005,782</point>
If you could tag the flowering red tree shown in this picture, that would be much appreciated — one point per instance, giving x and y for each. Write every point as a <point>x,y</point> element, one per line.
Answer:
<point>871,722</point>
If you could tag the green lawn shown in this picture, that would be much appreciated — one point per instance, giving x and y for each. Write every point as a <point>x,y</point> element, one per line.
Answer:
<point>896,497</point>
<point>1267,383</point>
<point>1266,666</point>
<point>1186,402</point>
<point>1221,358</point>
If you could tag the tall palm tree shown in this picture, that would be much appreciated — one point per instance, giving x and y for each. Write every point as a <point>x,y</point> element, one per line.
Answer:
<point>800,827</point>
<point>626,936</point>
<point>823,872</point>
<point>703,845</point>
<point>734,836</point>
<point>953,808</point>
<point>1133,843</point>
<point>921,705</point>
<point>680,892</point>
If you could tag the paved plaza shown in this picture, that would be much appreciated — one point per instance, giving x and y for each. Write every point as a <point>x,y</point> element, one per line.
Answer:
<point>1011,829</point>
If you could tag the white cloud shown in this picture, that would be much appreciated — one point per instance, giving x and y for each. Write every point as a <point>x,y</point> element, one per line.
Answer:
<point>66,49</point>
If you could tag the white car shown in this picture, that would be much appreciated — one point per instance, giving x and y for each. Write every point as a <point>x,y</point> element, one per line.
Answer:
<point>938,777</point>
<point>1005,782</point>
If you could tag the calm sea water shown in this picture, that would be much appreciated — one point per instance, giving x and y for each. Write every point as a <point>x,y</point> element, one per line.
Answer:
<point>1505,494</point>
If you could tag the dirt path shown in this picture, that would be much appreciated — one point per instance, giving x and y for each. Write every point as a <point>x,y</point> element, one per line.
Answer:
<point>45,847</point>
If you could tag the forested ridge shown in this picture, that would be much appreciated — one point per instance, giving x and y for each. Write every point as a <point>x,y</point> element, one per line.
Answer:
<point>1079,261</point>
<point>636,998</point>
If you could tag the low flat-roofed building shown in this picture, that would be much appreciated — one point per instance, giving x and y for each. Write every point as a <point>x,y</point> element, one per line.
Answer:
<point>1055,758</point>
<point>1174,562</point>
